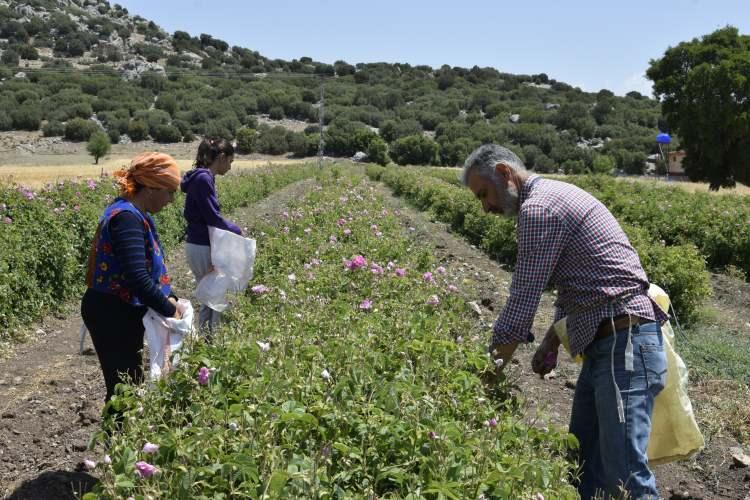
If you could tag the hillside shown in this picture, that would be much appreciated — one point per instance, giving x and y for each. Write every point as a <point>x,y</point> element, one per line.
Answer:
<point>70,67</point>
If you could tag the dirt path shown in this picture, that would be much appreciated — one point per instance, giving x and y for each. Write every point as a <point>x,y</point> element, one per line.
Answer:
<point>710,475</point>
<point>51,397</point>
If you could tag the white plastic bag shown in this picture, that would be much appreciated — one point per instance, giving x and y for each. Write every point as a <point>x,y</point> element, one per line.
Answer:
<point>232,257</point>
<point>165,336</point>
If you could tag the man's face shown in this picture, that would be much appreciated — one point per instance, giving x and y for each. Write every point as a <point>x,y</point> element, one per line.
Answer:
<point>496,198</point>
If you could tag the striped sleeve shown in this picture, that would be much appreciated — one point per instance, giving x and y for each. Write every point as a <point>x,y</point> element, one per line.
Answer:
<point>128,246</point>
<point>540,243</point>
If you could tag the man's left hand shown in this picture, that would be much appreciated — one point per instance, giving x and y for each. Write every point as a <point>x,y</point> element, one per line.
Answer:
<point>545,357</point>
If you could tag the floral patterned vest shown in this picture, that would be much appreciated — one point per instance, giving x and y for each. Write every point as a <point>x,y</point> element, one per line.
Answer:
<point>104,273</point>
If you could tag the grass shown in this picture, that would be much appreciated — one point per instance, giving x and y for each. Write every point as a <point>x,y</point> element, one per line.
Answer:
<point>718,357</point>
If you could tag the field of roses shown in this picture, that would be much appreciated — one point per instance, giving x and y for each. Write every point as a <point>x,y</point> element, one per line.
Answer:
<point>46,235</point>
<point>718,225</point>
<point>351,368</point>
<point>676,266</point>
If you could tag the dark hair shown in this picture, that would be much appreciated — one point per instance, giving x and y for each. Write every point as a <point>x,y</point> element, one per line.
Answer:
<point>210,149</point>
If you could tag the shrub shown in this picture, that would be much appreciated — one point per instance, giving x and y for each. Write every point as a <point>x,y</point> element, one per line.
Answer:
<point>114,135</point>
<point>53,128</point>
<point>98,145</point>
<point>80,130</point>
<point>168,103</point>
<point>10,57</point>
<point>138,130</point>
<point>167,134</point>
<point>392,130</point>
<point>6,122</point>
<point>246,138</point>
<point>341,137</point>
<point>603,164</point>
<point>27,52</point>
<point>272,141</point>
<point>377,152</point>
<point>276,113</point>
<point>28,116</point>
<point>414,150</point>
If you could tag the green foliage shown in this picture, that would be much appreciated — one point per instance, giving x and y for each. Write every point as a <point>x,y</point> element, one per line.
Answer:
<point>414,150</point>
<point>377,151</point>
<point>297,144</point>
<point>716,225</point>
<point>114,135</point>
<point>392,130</point>
<point>341,137</point>
<point>28,116</point>
<point>46,236</point>
<point>603,164</point>
<point>367,413</point>
<point>675,266</point>
<point>704,92</point>
<point>53,128</point>
<point>167,133</point>
<point>471,104</point>
<point>138,130</point>
<point>6,122</point>
<point>10,57</point>
<point>27,52</point>
<point>98,145</point>
<point>151,52</point>
<point>276,113</point>
<point>272,140</point>
<point>631,162</point>
<point>246,139</point>
<point>168,103</point>
<point>80,130</point>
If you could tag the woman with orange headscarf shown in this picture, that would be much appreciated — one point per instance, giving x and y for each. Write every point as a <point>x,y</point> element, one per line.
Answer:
<point>126,270</point>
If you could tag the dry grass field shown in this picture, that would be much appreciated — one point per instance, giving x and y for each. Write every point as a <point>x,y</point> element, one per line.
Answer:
<point>36,175</point>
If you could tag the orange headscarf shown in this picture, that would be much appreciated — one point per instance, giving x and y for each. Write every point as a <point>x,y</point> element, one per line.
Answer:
<point>155,170</point>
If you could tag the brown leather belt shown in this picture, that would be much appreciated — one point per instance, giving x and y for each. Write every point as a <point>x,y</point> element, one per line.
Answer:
<point>621,323</point>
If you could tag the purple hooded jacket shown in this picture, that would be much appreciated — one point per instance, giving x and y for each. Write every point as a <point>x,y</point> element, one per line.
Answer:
<point>202,207</point>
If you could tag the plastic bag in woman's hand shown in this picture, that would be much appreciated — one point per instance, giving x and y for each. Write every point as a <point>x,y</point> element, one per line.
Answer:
<point>165,336</point>
<point>232,258</point>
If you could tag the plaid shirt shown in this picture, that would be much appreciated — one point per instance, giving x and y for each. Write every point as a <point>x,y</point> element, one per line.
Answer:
<point>568,238</point>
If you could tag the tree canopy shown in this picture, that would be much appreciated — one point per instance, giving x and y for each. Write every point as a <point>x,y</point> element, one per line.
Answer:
<point>704,86</point>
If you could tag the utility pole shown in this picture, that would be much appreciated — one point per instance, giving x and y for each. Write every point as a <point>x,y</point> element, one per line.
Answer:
<point>321,109</point>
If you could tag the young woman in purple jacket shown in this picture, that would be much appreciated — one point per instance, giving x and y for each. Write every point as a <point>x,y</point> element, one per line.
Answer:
<point>202,209</point>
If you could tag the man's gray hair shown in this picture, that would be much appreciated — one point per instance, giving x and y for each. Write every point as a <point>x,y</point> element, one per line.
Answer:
<point>484,159</point>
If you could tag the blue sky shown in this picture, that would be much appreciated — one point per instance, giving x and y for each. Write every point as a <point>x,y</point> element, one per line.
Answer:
<point>589,44</point>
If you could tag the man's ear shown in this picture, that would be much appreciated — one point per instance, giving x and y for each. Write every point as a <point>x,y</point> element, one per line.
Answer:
<point>504,172</point>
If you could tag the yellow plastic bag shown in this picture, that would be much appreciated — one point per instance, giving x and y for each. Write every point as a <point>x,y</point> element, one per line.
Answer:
<point>674,432</point>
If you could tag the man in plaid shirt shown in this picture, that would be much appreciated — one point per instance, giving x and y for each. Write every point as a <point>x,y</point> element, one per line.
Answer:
<point>569,239</point>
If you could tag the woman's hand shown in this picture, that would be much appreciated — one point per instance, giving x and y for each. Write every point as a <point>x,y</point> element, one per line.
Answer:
<point>177,313</point>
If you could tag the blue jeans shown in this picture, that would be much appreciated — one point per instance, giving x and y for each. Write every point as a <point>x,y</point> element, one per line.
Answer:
<point>613,454</point>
